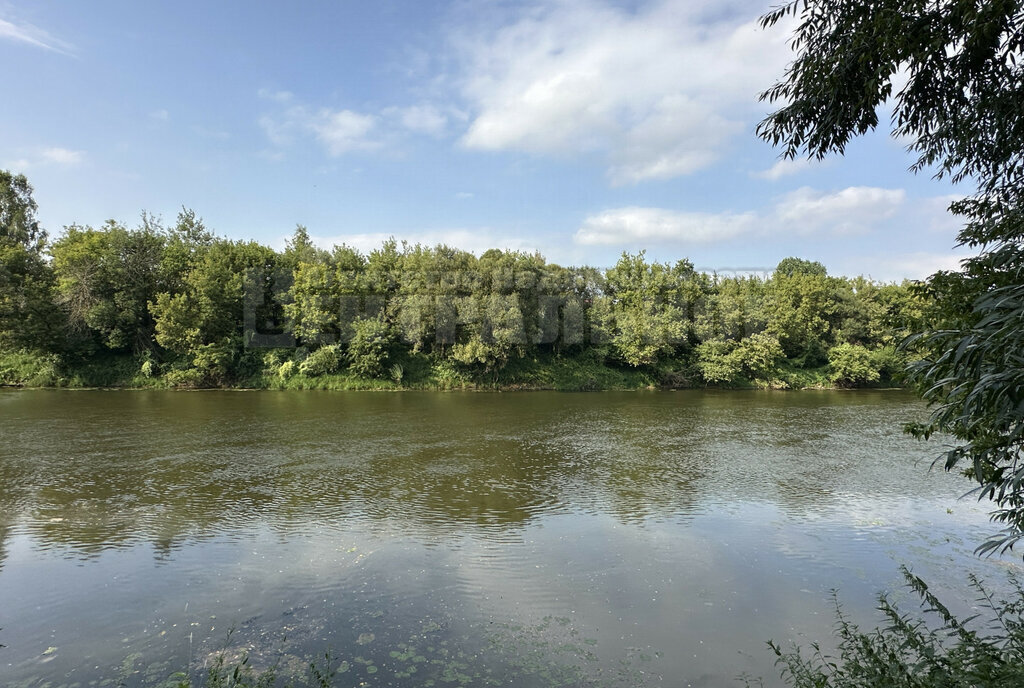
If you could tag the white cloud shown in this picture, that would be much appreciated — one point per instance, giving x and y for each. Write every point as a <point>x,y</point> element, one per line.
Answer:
<point>62,156</point>
<point>854,209</point>
<point>917,265</point>
<point>473,240</point>
<point>342,131</point>
<point>463,195</point>
<point>804,211</point>
<point>657,225</point>
<point>420,119</point>
<point>659,93</point>
<point>160,115</point>
<point>785,168</point>
<point>34,36</point>
<point>339,131</point>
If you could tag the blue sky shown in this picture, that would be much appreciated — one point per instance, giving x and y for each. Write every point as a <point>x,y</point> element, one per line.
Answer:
<point>578,128</point>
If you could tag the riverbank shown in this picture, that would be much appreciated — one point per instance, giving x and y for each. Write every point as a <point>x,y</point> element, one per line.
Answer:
<point>406,372</point>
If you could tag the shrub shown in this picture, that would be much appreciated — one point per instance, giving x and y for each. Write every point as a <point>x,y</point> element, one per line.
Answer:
<point>759,356</point>
<point>189,377</point>
<point>910,652</point>
<point>30,369</point>
<point>323,361</point>
<point>286,370</point>
<point>368,349</point>
<point>716,362</point>
<point>851,365</point>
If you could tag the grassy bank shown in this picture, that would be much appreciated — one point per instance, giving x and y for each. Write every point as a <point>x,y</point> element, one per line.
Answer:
<point>407,371</point>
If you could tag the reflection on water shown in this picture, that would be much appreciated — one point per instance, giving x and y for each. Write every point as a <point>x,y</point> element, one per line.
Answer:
<point>673,532</point>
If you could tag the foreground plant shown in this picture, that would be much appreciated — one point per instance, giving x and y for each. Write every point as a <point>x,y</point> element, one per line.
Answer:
<point>933,648</point>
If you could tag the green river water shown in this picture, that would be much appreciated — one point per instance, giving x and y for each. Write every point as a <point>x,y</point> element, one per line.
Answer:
<point>524,539</point>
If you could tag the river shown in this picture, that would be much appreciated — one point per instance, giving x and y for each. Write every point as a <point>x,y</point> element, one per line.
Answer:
<point>529,539</point>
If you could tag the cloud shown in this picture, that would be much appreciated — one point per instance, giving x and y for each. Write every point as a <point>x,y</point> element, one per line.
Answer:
<point>854,209</point>
<point>342,131</point>
<point>804,211</point>
<point>160,115</point>
<point>657,225</point>
<point>473,240</point>
<point>34,36</point>
<point>657,93</point>
<point>338,131</point>
<point>420,119</point>
<point>62,156</point>
<point>785,168</point>
<point>917,265</point>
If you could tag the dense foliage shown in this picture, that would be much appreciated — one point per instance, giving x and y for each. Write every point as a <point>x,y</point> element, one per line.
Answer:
<point>177,306</point>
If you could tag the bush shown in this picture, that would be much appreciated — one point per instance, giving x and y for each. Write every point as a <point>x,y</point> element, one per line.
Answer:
<point>286,370</point>
<point>30,369</point>
<point>189,378</point>
<point>908,652</point>
<point>852,365</point>
<point>323,361</point>
<point>759,356</point>
<point>368,349</point>
<point>716,362</point>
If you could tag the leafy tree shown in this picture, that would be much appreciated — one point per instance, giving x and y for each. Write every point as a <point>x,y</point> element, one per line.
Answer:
<point>313,309</point>
<point>645,319</point>
<point>18,224</point>
<point>798,266</point>
<point>203,325</point>
<point>28,318</point>
<point>961,110</point>
<point>799,307</point>
<point>731,307</point>
<point>105,280</point>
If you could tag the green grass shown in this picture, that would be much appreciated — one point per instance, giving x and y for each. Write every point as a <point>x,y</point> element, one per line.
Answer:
<point>587,371</point>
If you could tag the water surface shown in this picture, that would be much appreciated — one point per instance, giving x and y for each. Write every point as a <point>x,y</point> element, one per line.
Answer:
<point>617,538</point>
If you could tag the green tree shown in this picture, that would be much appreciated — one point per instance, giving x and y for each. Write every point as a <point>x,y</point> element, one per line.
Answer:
<point>105,280</point>
<point>203,324</point>
<point>369,348</point>
<point>28,318</point>
<point>961,109</point>
<point>799,307</point>
<point>645,319</point>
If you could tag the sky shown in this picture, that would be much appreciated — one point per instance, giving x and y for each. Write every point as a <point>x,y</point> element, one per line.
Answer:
<point>578,128</point>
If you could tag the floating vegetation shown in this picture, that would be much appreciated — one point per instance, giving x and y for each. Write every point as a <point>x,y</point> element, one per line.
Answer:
<point>553,653</point>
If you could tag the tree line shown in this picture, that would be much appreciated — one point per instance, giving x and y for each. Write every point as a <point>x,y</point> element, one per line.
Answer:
<point>193,309</point>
